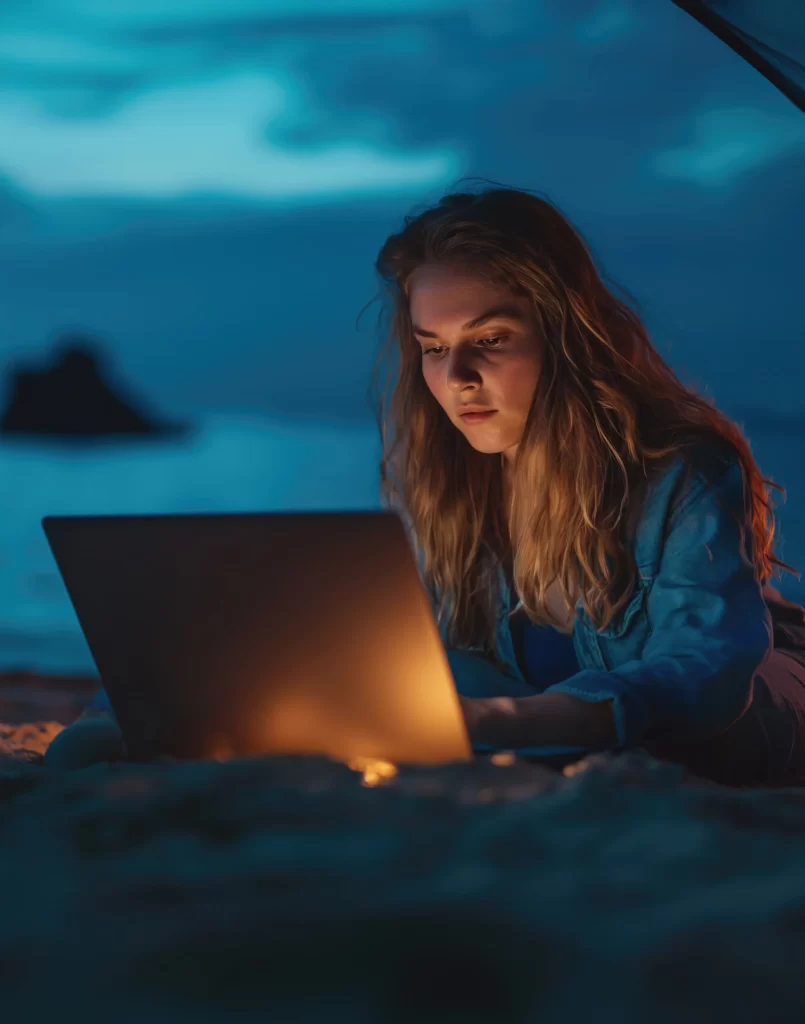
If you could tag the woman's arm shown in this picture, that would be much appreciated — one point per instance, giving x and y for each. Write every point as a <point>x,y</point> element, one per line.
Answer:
<point>710,631</point>
<point>544,720</point>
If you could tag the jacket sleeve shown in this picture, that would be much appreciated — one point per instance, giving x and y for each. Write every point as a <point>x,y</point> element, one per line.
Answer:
<point>710,629</point>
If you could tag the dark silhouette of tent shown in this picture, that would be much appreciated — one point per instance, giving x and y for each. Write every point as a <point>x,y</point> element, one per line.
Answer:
<point>72,399</point>
<point>769,34</point>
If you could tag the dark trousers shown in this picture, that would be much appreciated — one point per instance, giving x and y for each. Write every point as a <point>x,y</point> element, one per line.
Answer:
<point>766,745</point>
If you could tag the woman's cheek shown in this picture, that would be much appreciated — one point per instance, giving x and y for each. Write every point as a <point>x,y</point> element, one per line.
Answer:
<point>436,386</point>
<point>519,388</point>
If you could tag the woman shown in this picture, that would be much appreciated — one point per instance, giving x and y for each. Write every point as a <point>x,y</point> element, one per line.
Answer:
<point>596,538</point>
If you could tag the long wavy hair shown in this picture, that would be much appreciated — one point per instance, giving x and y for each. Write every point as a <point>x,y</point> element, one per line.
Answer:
<point>607,412</point>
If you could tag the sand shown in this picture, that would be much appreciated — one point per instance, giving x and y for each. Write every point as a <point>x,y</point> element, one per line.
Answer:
<point>298,889</point>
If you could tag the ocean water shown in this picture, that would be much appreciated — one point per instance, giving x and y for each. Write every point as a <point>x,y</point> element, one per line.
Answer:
<point>233,464</point>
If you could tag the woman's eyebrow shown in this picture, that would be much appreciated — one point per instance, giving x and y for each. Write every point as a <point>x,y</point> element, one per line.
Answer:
<point>498,313</point>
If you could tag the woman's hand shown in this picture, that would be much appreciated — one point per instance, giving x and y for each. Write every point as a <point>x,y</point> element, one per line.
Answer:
<point>546,719</point>
<point>489,720</point>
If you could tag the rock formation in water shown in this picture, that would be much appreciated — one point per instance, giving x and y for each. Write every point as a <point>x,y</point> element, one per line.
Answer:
<point>75,399</point>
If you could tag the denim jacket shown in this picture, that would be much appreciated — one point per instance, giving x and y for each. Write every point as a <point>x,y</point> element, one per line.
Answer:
<point>678,659</point>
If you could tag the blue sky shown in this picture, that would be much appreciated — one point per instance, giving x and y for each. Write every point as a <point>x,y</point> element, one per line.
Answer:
<point>206,184</point>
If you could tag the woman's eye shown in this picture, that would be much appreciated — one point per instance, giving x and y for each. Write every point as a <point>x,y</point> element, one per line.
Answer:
<point>437,350</point>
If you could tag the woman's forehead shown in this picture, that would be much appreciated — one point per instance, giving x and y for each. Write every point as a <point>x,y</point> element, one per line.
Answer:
<point>443,293</point>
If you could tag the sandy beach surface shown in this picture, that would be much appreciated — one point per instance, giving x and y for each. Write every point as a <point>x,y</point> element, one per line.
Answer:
<point>302,890</point>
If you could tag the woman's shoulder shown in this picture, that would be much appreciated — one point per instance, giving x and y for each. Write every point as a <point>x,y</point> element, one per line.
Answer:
<point>700,456</point>
<point>703,471</point>
<point>696,467</point>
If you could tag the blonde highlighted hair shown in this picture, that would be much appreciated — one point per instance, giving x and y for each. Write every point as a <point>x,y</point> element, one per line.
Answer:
<point>606,413</point>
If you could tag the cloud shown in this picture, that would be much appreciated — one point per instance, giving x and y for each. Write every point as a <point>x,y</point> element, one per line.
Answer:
<point>233,98</point>
<point>329,98</point>
<point>730,142</point>
<point>82,57</point>
<point>202,138</point>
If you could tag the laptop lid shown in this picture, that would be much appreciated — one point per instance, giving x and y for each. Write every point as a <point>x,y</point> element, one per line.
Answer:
<point>242,634</point>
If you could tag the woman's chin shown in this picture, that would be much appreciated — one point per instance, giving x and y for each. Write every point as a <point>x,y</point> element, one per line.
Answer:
<point>486,445</point>
<point>488,439</point>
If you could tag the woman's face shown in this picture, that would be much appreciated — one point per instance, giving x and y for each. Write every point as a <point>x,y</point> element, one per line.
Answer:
<point>480,349</point>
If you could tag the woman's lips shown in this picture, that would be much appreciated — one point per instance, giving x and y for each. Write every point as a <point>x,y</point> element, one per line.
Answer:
<point>477,417</point>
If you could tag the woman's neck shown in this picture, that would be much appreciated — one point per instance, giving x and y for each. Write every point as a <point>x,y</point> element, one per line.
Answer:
<point>506,488</point>
<point>505,472</point>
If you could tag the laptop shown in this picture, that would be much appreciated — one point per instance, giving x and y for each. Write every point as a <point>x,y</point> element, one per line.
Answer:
<point>244,634</point>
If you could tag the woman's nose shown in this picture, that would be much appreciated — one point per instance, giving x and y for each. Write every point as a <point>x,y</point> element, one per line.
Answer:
<point>461,371</point>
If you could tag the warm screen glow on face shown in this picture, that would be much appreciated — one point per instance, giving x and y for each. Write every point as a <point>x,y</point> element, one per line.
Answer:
<point>480,349</point>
